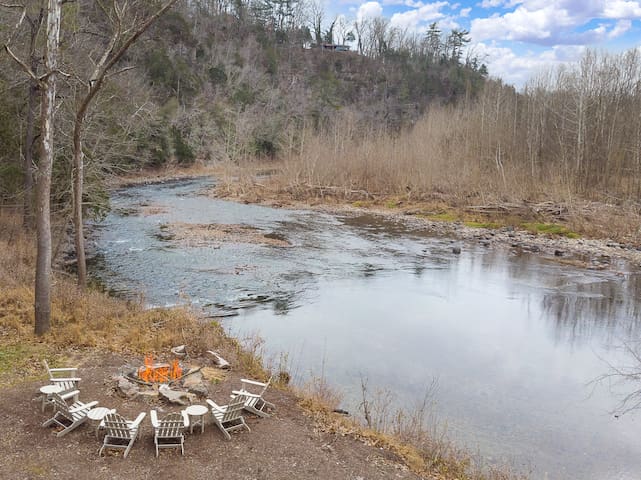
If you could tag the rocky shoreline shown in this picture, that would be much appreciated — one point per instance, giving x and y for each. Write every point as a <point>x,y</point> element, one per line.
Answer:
<point>590,253</point>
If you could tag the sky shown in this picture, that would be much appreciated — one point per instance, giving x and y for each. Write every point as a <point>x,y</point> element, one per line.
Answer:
<point>515,38</point>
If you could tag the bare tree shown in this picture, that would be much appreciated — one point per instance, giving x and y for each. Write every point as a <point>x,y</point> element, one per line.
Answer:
<point>47,85</point>
<point>125,30</point>
<point>35,19</point>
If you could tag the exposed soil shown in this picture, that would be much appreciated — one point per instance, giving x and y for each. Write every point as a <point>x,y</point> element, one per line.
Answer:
<point>288,445</point>
<point>204,235</point>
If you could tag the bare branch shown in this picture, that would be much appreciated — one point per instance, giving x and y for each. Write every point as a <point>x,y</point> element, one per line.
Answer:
<point>21,62</point>
<point>118,72</point>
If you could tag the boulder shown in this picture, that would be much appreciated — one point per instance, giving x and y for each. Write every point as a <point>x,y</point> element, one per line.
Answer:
<point>195,384</point>
<point>126,388</point>
<point>176,396</point>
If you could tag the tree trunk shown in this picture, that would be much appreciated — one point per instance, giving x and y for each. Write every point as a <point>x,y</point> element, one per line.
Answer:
<point>27,216</point>
<point>43,176</point>
<point>78,181</point>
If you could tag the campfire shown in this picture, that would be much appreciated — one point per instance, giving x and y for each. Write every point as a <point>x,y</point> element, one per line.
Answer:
<point>159,372</point>
<point>172,381</point>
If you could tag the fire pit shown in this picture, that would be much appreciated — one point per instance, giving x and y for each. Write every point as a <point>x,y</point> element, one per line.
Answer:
<point>173,381</point>
<point>159,372</point>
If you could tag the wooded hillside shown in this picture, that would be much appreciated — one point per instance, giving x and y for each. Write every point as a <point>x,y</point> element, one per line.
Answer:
<point>217,81</point>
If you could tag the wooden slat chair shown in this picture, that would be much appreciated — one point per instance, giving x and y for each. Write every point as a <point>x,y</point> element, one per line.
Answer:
<point>254,391</point>
<point>229,417</point>
<point>68,416</point>
<point>120,433</point>
<point>64,377</point>
<point>169,432</point>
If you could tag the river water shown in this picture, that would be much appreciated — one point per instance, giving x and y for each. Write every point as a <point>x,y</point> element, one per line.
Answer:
<point>512,341</point>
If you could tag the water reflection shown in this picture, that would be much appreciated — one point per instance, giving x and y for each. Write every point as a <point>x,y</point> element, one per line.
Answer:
<point>513,339</point>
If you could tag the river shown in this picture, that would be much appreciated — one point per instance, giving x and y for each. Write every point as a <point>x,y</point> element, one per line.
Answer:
<point>512,341</point>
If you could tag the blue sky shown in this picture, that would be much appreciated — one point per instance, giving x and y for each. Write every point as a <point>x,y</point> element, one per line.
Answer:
<point>515,38</point>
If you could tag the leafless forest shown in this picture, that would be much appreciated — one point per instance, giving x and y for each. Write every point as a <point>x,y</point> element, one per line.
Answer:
<point>571,134</point>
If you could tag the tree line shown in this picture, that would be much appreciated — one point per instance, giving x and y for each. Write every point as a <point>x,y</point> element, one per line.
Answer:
<point>571,135</point>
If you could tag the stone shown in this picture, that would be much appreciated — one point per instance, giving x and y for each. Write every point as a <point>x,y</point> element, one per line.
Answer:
<point>199,389</point>
<point>176,396</point>
<point>456,250</point>
<point>126,388</point>
<point>558,253</point>
<point>195,384</point>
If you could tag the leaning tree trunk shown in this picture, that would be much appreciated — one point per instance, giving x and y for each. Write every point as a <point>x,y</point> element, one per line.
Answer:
<point>43,176</point>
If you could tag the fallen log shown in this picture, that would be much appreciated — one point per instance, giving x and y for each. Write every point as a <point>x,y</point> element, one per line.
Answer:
<point>219,361</point>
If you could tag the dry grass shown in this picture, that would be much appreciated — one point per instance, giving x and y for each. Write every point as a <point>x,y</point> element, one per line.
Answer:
<point>83,320</point>
<point>439,199</point>
<point>412,434</point>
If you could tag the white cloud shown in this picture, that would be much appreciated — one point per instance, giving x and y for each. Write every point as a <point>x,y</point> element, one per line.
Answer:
<point>491,3</point>
<point>465,12</point>
<point>369,10</point>
<point>516,69</point>
<point>620,28</point>
<point>551,22</point>
<point>411,19</point>
<point>621,9</point>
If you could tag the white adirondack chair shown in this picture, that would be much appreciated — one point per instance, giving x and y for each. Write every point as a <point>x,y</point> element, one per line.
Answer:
<point>64,377</point>
<point>229,417</point>
<point>120,433</point>
<point>68,416</point>
<point>253,391</point>
<point>169,432</point>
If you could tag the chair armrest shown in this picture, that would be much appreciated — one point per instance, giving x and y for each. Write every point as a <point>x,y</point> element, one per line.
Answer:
<point>153,416</point>
<point>243,392</point>
<point>70,394</point>
<point>185,418</point>
<point>138,419</point>
<point>253,382</point>
<point>214,406</point>
<point>84,406</point>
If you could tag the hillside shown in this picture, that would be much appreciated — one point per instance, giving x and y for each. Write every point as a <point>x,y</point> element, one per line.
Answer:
<point>217,81</point>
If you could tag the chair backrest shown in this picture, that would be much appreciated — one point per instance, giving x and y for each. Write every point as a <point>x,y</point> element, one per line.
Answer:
<point>49,372</point>
<point>60,405</point>
<point>171,426</point>
<point>116,426</point>
<point>235,408</point>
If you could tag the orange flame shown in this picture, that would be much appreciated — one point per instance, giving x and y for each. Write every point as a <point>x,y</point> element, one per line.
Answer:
<point>176,371</point>
<point>159,372</point>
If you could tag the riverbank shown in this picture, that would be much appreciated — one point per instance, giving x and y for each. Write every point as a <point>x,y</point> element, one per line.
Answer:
<point>101,335</point>
<point>584,234</point>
